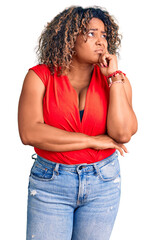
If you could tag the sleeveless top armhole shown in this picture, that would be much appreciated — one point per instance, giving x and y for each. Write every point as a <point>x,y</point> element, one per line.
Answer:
<point>42,71</point>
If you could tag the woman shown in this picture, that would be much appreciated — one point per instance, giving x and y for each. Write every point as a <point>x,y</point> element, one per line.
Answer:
<point>76,110</point>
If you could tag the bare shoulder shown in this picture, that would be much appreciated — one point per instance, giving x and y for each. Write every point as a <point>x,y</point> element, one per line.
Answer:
<point>31,100</point>
<point>33,83</point>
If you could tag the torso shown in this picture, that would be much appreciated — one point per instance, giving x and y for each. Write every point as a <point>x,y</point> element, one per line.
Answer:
<point>81,87</point>
<point>81,93</point>
<point>60,111</point>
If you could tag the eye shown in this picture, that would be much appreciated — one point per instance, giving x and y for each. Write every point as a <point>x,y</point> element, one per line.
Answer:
<point>104,36</point>
<point>90,34</point>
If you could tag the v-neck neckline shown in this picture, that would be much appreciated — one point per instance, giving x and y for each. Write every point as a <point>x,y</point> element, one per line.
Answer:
<point>86,104</point>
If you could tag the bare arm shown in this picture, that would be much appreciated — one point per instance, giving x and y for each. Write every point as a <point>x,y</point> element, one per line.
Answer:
<point>32,129</point>
<point>121,119</point>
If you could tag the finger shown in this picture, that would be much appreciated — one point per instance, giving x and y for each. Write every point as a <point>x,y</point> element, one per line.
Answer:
<point>106,59</point>
<point>124,148</point>
<point>120,150</point>
<point>100,61</point>
<point>105,62</point>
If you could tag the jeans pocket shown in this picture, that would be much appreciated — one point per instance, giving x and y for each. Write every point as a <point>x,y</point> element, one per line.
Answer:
<point>110,171</point>
<point>42,172</point>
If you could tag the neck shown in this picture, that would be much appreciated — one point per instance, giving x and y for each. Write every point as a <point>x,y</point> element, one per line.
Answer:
<point>80,74</point>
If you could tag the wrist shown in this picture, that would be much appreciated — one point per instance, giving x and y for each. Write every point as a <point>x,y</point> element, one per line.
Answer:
<point>116,77</point>
<point>117,72</point>
<point>90,142</point>
<point>111,72</point>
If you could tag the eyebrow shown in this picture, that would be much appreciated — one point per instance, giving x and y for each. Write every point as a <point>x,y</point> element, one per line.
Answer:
<point>95,29</point>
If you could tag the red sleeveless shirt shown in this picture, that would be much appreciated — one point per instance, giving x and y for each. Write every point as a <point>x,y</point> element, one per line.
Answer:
<point>60,110</point>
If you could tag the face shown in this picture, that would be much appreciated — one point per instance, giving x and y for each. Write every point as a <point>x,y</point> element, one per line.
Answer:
<point>88,48</point>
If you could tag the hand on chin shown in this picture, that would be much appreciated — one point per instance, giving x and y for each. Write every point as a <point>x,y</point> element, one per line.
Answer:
<point>107,63</point>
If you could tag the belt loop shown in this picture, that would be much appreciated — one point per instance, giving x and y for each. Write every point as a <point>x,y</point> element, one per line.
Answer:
<point>96,169</point>
<point>33,156</point>
<point>56,169</point>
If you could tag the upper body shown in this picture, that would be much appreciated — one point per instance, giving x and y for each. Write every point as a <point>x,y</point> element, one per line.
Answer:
<point>61,110</point>
<point>91,46</point>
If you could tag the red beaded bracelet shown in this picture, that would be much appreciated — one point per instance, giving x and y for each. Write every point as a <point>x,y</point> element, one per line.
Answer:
<point>114,74</point>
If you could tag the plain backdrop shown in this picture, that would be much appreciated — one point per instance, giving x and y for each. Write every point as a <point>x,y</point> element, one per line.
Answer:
<point>21,23</point>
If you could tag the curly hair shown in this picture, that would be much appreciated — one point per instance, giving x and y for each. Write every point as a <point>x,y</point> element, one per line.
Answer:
<point>57,41</point>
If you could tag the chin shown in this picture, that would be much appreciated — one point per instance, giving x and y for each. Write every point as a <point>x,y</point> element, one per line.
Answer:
<point>94,60</point>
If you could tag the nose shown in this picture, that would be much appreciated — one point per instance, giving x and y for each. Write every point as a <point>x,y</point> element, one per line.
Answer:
<point>99,41</point>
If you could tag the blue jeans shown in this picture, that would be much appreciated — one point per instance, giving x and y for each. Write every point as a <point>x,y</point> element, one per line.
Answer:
<point>73,202</point>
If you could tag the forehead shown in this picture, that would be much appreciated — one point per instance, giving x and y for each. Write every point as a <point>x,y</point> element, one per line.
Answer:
<point>96,23</point>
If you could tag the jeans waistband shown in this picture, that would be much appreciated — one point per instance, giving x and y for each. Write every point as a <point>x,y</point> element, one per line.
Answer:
<point>74,168</point>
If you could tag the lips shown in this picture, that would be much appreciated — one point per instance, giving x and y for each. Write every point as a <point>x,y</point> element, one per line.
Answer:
<point>99,50</point>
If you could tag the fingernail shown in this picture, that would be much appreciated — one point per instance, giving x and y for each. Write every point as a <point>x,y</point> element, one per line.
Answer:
<point>102,65</point>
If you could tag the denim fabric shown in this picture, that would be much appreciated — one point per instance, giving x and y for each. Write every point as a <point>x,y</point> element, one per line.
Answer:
<point>73,202</point>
